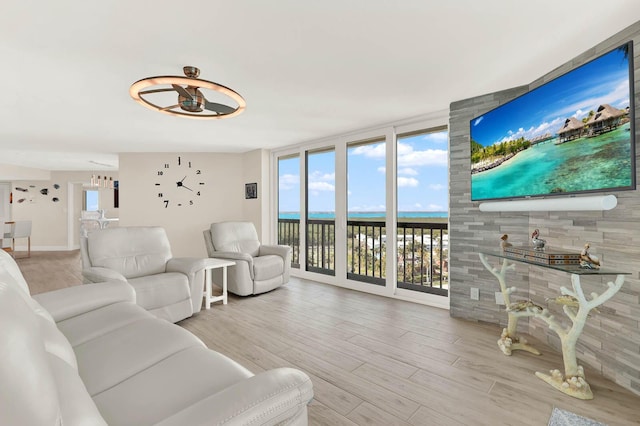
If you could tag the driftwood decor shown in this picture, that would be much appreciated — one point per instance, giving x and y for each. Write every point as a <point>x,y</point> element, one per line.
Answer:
<point>576,306</point>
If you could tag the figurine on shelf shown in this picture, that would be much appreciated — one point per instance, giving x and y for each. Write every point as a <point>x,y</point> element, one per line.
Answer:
<point>538,243</point>
<point>504,243</point>
<point>587,260</point>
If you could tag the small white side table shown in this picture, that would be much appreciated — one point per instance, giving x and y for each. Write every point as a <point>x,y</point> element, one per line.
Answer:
<point>212,264</point>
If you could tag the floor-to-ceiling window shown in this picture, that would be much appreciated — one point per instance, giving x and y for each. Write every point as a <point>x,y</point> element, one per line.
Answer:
<point>422,194</point>
<point>321,211</point>
<point>366,211</point>
<point>289,205</point>
<point>373,210</point>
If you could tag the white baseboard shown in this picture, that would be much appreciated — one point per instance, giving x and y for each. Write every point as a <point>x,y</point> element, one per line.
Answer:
<point>45,248</point>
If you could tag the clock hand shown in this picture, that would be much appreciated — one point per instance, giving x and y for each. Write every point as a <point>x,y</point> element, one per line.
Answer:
<point>179,183</point>
<point>186,187</point>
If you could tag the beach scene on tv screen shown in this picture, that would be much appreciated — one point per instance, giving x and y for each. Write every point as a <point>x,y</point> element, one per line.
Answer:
<point>572,134</point>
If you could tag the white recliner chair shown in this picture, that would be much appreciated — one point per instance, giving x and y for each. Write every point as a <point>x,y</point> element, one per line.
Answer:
<point>259,268</point>
<point>168,287</point>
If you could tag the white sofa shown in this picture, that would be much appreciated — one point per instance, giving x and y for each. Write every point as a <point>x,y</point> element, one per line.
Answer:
<point>259,267</point>
<point>89,355</point>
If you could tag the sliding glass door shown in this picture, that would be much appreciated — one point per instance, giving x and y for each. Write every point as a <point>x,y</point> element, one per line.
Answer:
<point>366,211</point>
<point>289,205</point>
<point>321,211</point>
<point>423,199</point>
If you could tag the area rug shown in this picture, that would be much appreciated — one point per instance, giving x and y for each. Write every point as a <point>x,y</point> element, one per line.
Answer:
<point>565,418</point>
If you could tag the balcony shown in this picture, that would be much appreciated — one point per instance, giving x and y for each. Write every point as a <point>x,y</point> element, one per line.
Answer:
<point>422,251</point>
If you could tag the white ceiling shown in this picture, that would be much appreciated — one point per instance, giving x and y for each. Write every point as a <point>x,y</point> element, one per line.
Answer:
<point>307,69</point>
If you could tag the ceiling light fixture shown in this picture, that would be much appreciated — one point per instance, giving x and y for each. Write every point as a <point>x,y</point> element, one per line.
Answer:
<point>191,101</point>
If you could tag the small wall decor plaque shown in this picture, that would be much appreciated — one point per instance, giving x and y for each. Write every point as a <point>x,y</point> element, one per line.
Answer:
<point>250,191</point>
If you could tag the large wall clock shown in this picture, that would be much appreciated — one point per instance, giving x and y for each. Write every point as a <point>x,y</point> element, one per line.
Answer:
<point>179,183</point>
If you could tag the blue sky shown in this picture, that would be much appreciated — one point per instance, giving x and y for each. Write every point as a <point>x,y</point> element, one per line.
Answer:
<point>603,80</point>
<point>422,177</point>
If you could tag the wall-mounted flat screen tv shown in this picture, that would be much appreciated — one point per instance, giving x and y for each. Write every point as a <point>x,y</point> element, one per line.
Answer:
<point>572,135</point>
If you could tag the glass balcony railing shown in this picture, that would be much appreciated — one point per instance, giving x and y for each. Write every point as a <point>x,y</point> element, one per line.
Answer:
<point>422,251</point>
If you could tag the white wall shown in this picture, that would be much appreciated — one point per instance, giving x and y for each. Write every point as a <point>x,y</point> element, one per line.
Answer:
<point>221,199</point>
<point>256,170</point>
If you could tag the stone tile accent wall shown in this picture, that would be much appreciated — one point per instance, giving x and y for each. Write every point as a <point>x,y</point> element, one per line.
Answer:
<point>611,339</point>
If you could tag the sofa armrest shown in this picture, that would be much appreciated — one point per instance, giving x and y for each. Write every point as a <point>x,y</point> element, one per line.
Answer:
<point>280,250</point>
<point>268,398</point>
<point>236,256</point>
<point>96,274</point>
<point>193,268</point>
<point>71,301</point>
<point>233,255</point>
<point>186,265</point>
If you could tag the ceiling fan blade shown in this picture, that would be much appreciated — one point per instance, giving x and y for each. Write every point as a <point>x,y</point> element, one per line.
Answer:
<point>166,89</point>
<point>182,91</point>
<point>219,108</point>
<point>170,107</point>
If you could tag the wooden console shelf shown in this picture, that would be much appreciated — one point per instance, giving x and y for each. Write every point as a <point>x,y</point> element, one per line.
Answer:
<point>576,307</point>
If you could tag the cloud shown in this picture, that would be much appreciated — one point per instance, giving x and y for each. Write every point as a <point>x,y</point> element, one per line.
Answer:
<point>437,137</point>
<point>382,169</point>
<point>408,171</point>
<point>478,120</point>
<point>407,157</point>
<point>372,150</point>
<point>321,186</point>
<point>436,208</point>
<point>418,205</point>
<point>532,132</point>
<point>437,186</point>
<point>320,176</point>
<point>288,182</point>
<point>368,208</point>
<point>319,181</point>
<point>405,181</point>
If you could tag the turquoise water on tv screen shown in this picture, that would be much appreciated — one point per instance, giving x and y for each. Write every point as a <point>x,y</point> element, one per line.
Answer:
<point>584,164</point>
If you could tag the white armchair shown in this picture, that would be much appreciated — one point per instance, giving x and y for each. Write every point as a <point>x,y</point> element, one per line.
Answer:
<point>170,288</point>
<point>259,268</point>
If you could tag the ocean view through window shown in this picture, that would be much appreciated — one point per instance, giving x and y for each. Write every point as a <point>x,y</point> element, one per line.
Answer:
<point>420,242</point>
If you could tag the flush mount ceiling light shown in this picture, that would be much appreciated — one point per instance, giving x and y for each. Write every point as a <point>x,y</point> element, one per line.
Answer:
<point>191,102</point>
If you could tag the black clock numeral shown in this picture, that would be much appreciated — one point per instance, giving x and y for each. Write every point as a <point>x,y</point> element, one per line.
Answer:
<point>198,193</point>
<point>190,202</point>
<point>159,194</point>
<point>160,172</point>
<point>178,160</point>
<point>157,184</point>
<point>198,172</point>
<point>179,204</point>
<point>189,164</point>
<point>201,183</point>
<point>166,203</point>
<point>166,165</point>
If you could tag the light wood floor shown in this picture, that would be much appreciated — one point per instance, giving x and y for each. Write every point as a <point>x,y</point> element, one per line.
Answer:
<point>376,361</point>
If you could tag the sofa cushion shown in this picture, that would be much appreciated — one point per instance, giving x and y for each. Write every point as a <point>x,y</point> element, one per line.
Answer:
<point>56,343</point>
<point>133,252</point>
<point>76,406</point>
<point>169,386</point>
<point>239,237</point>
<point>113,357</point>
<point>95,323</point>
<point>155,291</point>
<point>267,267</point>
